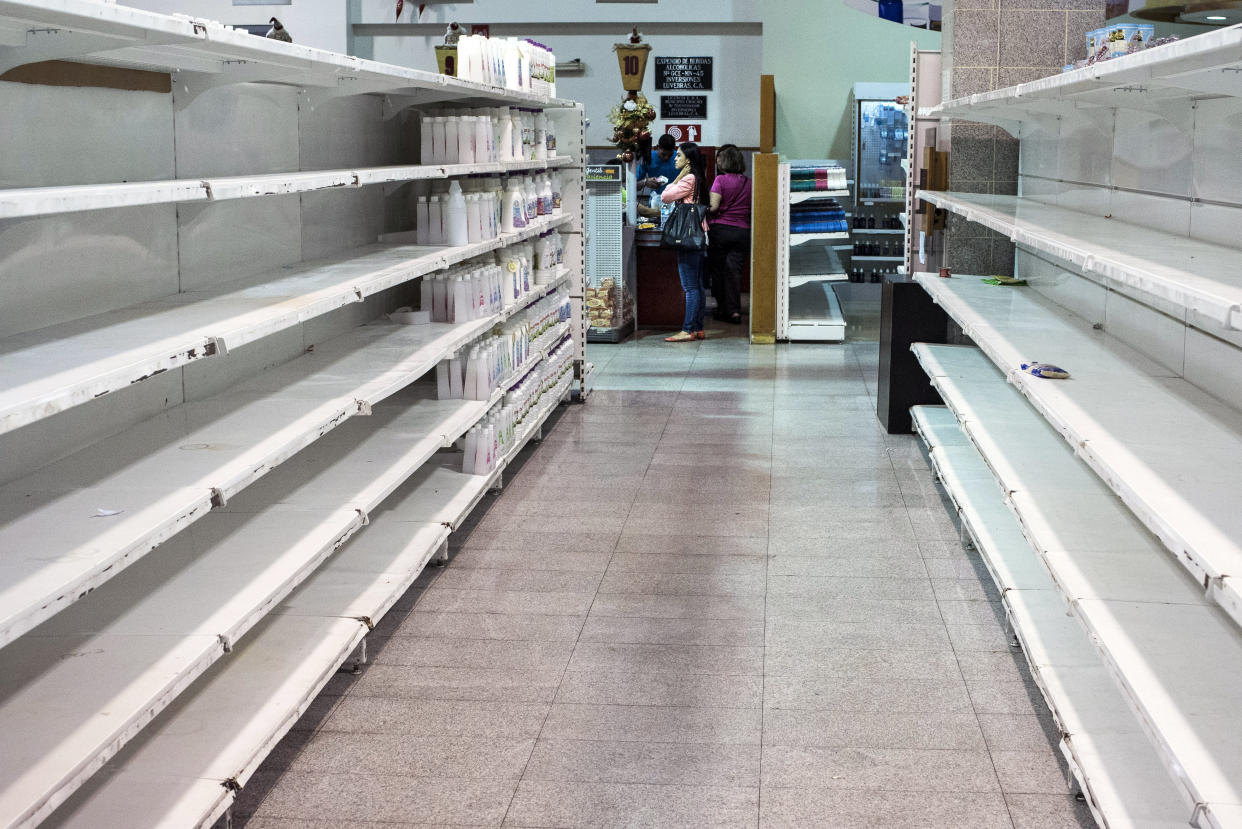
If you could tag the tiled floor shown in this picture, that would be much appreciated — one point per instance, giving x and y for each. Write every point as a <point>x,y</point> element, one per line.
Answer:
<point>717,595</point>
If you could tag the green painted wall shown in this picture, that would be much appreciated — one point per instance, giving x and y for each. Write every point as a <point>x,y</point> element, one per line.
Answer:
<point>817,50</point>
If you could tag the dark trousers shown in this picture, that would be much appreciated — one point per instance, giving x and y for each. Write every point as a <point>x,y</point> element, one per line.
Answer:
<point>726,256</point>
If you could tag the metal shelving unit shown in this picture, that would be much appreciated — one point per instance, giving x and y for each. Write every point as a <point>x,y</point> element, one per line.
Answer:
<point>204,365</point>
<point>807,308</point>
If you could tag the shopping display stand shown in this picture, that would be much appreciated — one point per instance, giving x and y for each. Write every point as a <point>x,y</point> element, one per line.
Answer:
<point>223,463</point>
<point>807,265</point>
<point>1124,478</point>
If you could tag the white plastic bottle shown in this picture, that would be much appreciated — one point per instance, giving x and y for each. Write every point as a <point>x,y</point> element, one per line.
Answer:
<point>460,301</point>
<point>465,140</point>
<point>515,147</point>
<point>472,374</point>
<point>426,144</point>
<point>455,231</point>
<point>435,219</point>
<point>545,196</point>
<point>422,222</point>
<point>437,139</point>
<point>513,65</point>
<point>452,126</point>
<point>474,229</point>
<point>470,447</point>
<point>455,377</point>
<point>550,135</point>
<point>442,380</point>
<point>557,183</point>
<point>439,298</point>
<point>514,213</point>
<point>482,138</point>
<point>532,200</point>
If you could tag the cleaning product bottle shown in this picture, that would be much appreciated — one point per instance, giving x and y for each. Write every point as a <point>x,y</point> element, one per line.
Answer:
<point>455,231</point>
<point>470,448</point>
<point>422,222</point>
<point>426,144</point>
<point>435,221</point>
<point>514,213</point>
<point>474,227</point>
<point>541,137</point>
<point>452,126</point>
<point>465,140</point>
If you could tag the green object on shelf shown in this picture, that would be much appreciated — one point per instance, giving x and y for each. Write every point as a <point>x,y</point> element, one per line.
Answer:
<point>1003,280</point>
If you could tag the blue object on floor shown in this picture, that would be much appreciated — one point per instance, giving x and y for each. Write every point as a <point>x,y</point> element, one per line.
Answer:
<point>1045,370</point>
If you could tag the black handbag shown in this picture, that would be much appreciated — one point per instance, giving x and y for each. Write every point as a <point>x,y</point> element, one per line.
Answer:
<point>683,229</point>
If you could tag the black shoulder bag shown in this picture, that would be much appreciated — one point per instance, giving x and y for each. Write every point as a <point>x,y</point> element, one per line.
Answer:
<point>683,230</point>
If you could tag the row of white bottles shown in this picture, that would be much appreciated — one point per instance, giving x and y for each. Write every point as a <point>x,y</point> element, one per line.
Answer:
<point>464,293</point>
<point>529,197</point>
<point>478,136</point>
<point>512,63</point>
<point>552,376</point>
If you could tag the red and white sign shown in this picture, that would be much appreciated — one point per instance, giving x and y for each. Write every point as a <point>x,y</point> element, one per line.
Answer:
<point>685,132</point>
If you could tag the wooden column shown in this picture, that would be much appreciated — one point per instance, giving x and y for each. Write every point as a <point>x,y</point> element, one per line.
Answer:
<point>763,249</point>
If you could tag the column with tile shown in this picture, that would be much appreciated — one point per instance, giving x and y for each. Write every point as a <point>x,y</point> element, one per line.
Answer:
<point>989,44</point>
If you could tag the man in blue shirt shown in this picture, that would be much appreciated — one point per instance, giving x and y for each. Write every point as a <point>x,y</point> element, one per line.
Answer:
<point>660,164</point>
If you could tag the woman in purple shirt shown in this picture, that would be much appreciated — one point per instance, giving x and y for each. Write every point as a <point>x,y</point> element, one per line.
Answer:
<point>729,235</point>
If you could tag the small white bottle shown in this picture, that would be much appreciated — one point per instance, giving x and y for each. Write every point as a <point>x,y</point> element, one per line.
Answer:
<point>465,140</point>
<point>532,200</point>
<point>455,231</point>
<point>504,135</point>
<point>426,294</point>
<point>422,222</point>
<point>442,380</point>
<point>514,212</point>
<point>452,126</point>
<point>426,144</point>
<point>550,135</point>
<point>557,207</point>
<point>470,448</point>
<point>435,221</point>
<point>455,378</point>
<point>461,310</point>
<point>515,148</point>
<point>483,142</point>
<point>474,219</point>
<point>438,127</point>
<point>545,196</point>
<point>439,299</point>
<point>472,374</point>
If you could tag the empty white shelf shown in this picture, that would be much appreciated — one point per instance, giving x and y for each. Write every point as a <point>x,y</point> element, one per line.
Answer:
<point>51,369</point>
<point>166,472</point>
<point>1197,275</point>
<point>1175,656</point>
<point>1174,461</point>
<point>222,727</point>
<point>1206,63</point>
<point>796,238</point>
<point>204,54</point>
<point>111,663</point>
<point>1125,783</point>
<point>20,202</point>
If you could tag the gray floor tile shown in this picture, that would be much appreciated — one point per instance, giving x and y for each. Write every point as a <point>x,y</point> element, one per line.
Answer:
<point>531,559</point>
<point>606,805</point>
<point>534,522</point>
<point>987,637</point>
<point>871,635</point>
<point>610,761</point>
<point>1042,811</point>
<point>665,658</point>
<point>1015,732</point>
<point>833,588</point>
<point>475,653</point>
<point>697,524</point>
<point>1029,772</point>
<point>516,626</point>
<point>433,717</point>
<point>895,567</point>
<point>1005,696</point>
<point>993,666</point>
<point>844,547</point>
<point>483,758</point>
<point>680,688</point>
<point>741,632</point>
<point>646,723</point>
<point>966,590</point>
<point>679,607</point>
<point>791,727</point>
<point>685,544</point>
<point>392,799</point>
<point>890,769</point>
<point>550,603</point>
<point>684,584</point>
<point>824,808</point>
<point>897,663</point>
<point>722,565</point>
<point>813,613</point>
<point>535,581</point>
<point>567,542</point>
<point>956,612</point>
<point>478,684</point>
<point>877,695</point>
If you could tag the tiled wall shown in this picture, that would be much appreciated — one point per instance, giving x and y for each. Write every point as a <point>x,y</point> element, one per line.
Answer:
<point>991,44</point>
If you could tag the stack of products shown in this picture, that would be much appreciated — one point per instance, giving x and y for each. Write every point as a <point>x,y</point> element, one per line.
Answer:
<point>817,216</point>
<point>803,179</point>
<point>1118,39</point>
<point>479,208</point>
<point>476,136</point>
<point>522,65</point>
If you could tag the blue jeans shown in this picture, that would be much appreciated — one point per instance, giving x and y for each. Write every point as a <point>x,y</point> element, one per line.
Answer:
<point>690,269</point>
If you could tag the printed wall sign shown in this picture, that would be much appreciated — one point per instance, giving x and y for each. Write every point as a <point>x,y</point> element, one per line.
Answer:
<point>683,73</point>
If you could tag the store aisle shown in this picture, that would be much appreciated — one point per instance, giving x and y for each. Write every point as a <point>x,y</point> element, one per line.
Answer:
<point>717,595</point>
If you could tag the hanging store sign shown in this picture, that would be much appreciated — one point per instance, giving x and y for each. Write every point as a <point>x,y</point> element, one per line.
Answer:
<point>683,106</point>
<point>685,132</point>
<point>683,73</point>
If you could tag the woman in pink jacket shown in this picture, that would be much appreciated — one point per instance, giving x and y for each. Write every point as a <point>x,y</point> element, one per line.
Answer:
<point>690,187</point>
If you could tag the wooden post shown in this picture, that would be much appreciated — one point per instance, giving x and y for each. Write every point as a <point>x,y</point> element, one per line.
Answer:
<point>763,249</point>
<point>767,113</point>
